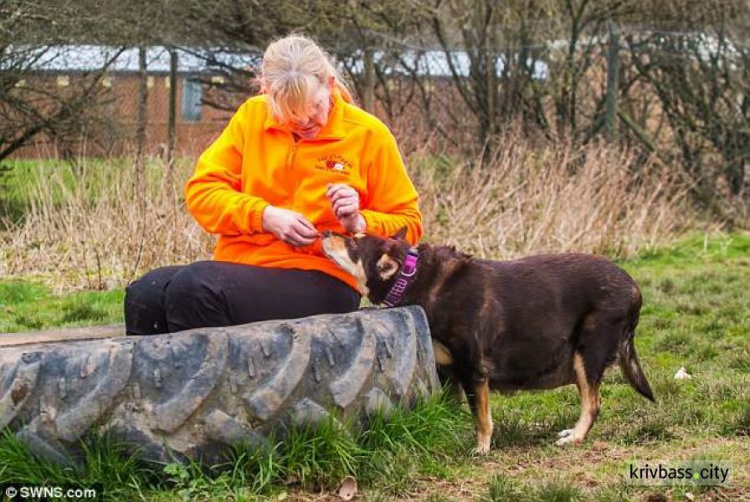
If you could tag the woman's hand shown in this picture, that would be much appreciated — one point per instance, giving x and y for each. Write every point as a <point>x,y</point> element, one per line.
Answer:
<point>345,204</point>
<point>288,226</point>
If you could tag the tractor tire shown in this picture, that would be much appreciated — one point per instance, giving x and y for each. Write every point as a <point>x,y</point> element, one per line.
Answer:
<point>195,394</point>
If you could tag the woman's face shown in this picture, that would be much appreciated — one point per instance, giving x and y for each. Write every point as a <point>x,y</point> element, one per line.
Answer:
<point>317,116</point>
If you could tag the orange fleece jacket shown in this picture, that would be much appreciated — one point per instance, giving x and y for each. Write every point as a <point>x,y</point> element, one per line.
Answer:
<point>256,162</point>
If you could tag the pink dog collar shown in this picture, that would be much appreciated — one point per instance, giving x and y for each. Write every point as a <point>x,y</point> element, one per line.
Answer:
<point>408,271</point>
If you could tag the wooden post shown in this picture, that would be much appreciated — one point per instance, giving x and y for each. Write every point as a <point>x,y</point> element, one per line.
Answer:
<point>368,84</point>
<point>139,188</point>
<point>612,84</point>
<point>140,129</point>
<point>641,134</point>
<point>172,125</point>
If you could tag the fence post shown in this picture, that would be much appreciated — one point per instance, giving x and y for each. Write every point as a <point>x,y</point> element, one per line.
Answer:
<point>140,129</point>
<point>139,190</point>
<point>172,125</point>
<point>612,84</point>
<point>368,84</point>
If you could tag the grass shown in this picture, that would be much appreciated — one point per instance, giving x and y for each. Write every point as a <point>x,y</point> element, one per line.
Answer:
<point>104,464</point>
<point>95,224</point>
<point>29,306</point>
<point>696,315</point>
<point>503,489</point>
<point>556,198</point>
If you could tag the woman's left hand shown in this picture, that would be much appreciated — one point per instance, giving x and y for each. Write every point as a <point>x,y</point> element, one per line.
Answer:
<point>345,204</point>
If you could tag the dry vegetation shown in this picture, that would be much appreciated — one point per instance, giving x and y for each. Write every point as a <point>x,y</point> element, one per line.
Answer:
<point>89,227</point>
<point>553,199</point>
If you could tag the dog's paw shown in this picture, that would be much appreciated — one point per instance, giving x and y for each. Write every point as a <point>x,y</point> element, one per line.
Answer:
<point>569,438</point>
<point>483,443</point>
<point>483,446</point>
<point>565,433</point>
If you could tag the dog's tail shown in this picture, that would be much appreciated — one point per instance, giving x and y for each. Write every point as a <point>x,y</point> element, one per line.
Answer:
<point>629,364</point>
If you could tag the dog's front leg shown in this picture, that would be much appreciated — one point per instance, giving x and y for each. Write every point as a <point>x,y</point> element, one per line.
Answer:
<point>479,402</point>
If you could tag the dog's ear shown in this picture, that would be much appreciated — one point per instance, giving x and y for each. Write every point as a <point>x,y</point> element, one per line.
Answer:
<point>400,235</point>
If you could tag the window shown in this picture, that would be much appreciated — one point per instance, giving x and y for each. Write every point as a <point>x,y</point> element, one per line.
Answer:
<point>192,94</point>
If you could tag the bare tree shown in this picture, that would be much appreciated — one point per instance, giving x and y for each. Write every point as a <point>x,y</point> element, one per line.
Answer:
<point>509,61</point>
<point>30,105</point>
<point>34,38</point>
<point>695,58</point>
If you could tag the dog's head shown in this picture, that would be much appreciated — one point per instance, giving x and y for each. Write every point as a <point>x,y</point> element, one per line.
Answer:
<point>373,261</point>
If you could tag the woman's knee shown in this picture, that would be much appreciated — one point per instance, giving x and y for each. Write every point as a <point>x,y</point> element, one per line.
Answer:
<point>144,302</point>
<point>195,280</point>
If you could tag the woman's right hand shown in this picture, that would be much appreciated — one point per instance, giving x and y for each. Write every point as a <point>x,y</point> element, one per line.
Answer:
<point>288,226</point>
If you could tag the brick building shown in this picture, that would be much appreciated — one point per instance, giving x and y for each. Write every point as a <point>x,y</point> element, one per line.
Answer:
<point>196,124</point>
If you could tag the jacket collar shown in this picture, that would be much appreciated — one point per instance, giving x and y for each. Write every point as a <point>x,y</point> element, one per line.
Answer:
<point>334,128</point>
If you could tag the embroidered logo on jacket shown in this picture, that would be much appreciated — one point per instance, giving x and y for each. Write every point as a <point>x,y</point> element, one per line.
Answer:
<point>334,164</point>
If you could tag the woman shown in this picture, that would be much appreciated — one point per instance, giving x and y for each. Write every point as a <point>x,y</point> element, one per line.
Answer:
<point>296,160</point>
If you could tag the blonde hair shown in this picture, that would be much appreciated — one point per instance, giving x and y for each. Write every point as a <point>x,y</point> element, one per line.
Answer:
<point>293,69</point>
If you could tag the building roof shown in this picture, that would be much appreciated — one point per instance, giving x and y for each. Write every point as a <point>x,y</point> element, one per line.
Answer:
<point>72,58</point>
<point>69,58</point>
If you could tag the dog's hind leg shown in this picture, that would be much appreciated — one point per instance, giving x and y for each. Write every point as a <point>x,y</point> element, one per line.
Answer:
<point>446,373</point>
<point>590,404</point>
<point>479,402</point>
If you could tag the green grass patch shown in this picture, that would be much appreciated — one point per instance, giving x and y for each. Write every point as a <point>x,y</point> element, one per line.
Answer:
<point>103,463</point>
<point>504,489</point>
<point>28,306</point>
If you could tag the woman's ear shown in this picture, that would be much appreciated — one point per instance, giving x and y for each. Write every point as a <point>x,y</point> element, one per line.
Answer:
<point>258,80</point>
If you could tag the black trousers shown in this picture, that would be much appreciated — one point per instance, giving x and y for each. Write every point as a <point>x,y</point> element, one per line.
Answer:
<point>214,293</point>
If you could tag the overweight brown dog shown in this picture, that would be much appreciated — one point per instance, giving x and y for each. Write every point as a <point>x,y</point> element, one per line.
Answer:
<point>534,323</point>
